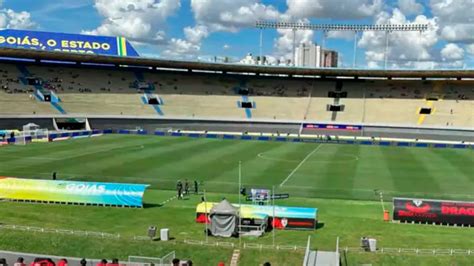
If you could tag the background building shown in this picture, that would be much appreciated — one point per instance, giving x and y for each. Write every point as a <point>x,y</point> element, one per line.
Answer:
<point>249,59</point>
<point>311,55</point>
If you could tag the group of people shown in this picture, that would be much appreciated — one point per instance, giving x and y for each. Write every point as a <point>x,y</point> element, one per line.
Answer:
<point>178,262</point>
<point>63,262</point>
<point>183,189</point>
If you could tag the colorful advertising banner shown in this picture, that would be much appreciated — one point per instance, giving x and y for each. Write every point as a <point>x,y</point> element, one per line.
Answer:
<point>331,127</point>
<point>285,217</point>
<point>433,211</point>
<point>57,191</point>
<point>66,42</point>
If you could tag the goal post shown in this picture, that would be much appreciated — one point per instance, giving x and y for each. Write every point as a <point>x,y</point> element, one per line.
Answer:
<point>20,140</point>
<point>37,135</point>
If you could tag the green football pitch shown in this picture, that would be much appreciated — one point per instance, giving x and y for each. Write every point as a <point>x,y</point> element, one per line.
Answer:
<point>301,169</point>
<point>338,179</point>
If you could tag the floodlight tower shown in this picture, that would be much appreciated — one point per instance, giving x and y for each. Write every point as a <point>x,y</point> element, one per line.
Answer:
<point>325,28</point>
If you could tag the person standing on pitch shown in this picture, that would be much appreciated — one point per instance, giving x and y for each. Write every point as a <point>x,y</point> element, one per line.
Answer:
<point>196,187</point>
<point>186,187</point>
<point>54,175</point>
<point>179,188</point>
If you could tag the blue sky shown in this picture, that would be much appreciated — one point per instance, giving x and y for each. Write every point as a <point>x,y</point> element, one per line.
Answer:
<point>202,29</point>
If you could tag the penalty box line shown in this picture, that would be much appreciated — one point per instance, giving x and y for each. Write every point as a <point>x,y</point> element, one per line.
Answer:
<point>300,164</point>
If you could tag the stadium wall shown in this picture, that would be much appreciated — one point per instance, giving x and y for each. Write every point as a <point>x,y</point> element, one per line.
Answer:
<point>151,125</point>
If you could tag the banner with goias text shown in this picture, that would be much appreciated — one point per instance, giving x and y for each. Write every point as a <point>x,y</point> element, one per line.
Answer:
<point>58,191</point>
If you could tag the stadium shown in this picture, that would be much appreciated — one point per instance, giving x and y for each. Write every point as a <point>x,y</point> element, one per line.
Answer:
<point>146,160</point>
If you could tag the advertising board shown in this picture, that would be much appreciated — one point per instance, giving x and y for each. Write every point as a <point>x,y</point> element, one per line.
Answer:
<point>283,217</point>
<point>66,42</point>
<point>331,127</point>
<point>433,211</point>
<point>57,191</point>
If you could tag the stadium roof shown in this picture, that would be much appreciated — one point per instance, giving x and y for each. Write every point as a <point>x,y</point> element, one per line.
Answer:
<point>223,67</point>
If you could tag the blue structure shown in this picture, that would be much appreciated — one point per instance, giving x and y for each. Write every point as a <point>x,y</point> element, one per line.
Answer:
<point>66,42</point>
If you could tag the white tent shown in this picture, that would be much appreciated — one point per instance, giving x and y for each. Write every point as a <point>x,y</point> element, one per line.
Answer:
<point>30,127</point>
<point>224,219</point>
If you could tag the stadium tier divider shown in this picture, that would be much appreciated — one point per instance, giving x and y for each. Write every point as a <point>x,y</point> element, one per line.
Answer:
<point>305,138</point>
<point>259,137</point>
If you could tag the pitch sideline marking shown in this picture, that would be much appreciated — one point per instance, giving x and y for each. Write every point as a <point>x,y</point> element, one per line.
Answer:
<point>168,200</point>
<point>300,164</point>
<point>351,157</point>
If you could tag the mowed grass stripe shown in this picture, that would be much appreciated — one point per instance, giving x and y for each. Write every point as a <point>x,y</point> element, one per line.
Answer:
<point>205,163</point>
<point>163,160</point>
<point>409,173</point>
<point>152,158</point>
<point>130,167</point>
<point>462,160</point>
<point>79,152</point>
<point>372,172</point>
<point>300,164</point>
<point>337,174</point>
<point>246,152</point>
<point>274,165</point>
<point>454,177</point>
<point>306,181</point>
<point>342,169</point>
<point>144,165</point>
<point>214,157</point>
<point>93,164</point>
<point>253,173</point>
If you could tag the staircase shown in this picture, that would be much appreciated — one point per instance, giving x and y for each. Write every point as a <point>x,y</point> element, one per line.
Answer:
<point>40,92</point>
<point>325,258</point>
<point>321,258</point>
<point>235,258</point>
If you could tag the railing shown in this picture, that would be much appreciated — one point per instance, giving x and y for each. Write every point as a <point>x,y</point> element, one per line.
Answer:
<point>245,245</point>
<point>249,228</point>
<point>415,251</point>
<point>383,250</point>
<point>147,261</point>
<point>307,251</point>
<point>59,231</point>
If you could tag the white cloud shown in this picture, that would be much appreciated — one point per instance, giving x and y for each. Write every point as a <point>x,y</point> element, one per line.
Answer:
<point>452,11</point>
<point>226,47</point>
<point>410,7</point>
<point>456,19</point>
<point>346,35</point>
<point>458,32</point>
<point>181,49</point>
<point>340,9</point>
<point>139,20</point>
<point>220,15</point>
<point>196,34</point>
<point>15,20</point>
<point>10,19</point>
<point>422,64</point>
<point>231,15</point>
<point>470,49</point>
<point>284,43</point>
<point>373,64</point>
<point>403,46</point>
<point>455,64</point>
<point>452,51</point>
<point>189,47</point>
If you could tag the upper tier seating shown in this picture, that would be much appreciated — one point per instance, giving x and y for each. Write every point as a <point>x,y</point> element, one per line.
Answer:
<point>107,91</point>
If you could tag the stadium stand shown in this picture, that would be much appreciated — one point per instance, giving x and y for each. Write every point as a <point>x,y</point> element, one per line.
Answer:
<point>94,90</point>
